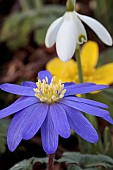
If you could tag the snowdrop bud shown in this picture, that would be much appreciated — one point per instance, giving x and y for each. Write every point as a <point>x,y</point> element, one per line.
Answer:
<point>70,5</point>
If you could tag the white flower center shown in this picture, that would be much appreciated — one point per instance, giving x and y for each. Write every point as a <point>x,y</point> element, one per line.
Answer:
<point>49,93</point>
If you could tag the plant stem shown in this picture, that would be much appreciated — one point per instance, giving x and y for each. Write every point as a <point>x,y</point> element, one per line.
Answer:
<point>50,161</point>
<point>80,73</point>
<point>81,80</point>
<point>70,5</point>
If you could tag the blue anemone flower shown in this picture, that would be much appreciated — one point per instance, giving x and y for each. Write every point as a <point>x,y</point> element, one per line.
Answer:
<point>51,106</point>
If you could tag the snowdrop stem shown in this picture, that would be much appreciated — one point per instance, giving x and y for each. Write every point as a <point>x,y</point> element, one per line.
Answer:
<point>80,73</point>
<point>81,80</point>
<point>70,5</point>
<point>50,161</point>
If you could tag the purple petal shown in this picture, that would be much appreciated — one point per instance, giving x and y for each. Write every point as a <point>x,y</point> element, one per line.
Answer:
<point>108,118</point>
<point>87,101</point>
<point>81,125</point>
<point>98,28</point>
<point>17,89</point>
<point>49,136</point>
<point>21,98</point>
<point>69,84</point>
<point>83,88</point>
<point>35,121</point>
<point>17,106</point>
<point>17,125</point>
<point>43,74</point>
<point>29,84</point>
<point>88,109</point>
<point>60,120</point>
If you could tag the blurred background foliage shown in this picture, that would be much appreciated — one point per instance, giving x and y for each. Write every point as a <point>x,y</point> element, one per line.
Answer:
<point>104,13</point>
<point>23,25</point>
<point>34,18</point>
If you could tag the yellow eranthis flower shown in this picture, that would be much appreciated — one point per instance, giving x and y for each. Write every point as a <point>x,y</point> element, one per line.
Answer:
<point>68,71</point>
<point>89,57</point>
<point>64,71</point>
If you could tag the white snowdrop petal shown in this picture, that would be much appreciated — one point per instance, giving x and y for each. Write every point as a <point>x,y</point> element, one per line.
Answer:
<point>82,35</point>
<point>52,32</point>
<point>98,28</point>
<point>67,38</point>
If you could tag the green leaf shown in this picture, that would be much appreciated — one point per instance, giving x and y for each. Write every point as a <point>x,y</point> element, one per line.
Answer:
<point>109,94</point>
<point>24,5</point>
<point>23,165</point>
<point>85,147</point>
<point>102,97</point>
<point>74,167</point>
<point>4,123</point>
<point>74,161</point>
<point>38,4</point>
<point>106,57</point>
<point>108,146</point>
<point>92,120</point>
<point>28,164</point>
<point>39,36</point>
<point>87,160</point>
<point>103,13</point>
<point>14,44</point>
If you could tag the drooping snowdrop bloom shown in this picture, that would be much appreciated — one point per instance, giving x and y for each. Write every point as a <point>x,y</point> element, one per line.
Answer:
<point>52,107</point>
<point>68,31</point>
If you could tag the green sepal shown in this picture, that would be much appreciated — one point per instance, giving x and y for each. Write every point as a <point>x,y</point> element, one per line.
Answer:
<point>70,5</point>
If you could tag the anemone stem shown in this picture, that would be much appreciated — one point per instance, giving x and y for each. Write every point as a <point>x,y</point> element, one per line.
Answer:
<point>50,161</point>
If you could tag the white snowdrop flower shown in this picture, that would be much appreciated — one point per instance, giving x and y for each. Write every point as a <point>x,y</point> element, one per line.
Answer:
<point>68,31</point>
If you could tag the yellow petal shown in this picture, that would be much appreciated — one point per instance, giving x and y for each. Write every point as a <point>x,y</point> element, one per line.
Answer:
<point>66,71</point>
<point>103,74</point>
<point>89,55</point>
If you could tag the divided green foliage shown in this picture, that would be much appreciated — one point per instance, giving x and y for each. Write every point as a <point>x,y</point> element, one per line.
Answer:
<point>34,18</point>
<point>4,123</point>
<point>86,161</point>
<point>23,165</point>
<point>72,160</point>
<point>28,164</point>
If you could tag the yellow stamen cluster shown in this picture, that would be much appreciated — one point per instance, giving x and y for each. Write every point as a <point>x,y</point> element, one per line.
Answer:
<point>49,93</point>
